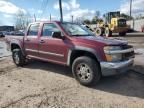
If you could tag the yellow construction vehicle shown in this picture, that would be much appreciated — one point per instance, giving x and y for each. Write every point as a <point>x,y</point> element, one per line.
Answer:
<point>113,24</point>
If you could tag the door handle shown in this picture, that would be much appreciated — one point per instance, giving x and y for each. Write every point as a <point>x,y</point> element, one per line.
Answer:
<point>27,39</point>
<point>42,41</point>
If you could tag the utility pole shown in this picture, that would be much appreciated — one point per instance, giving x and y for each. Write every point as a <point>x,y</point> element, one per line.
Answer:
<point>72,18</point>
<point>34,18</point>
<point>133,22</point>
<point>50,17</point>
<point>61,13</point>
<point>130,8</point>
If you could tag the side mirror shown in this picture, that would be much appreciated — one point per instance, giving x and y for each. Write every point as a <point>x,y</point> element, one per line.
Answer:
<point>57,35</point>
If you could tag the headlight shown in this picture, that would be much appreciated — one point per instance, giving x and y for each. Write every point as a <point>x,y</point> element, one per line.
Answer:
<point>112,57</point>
<point>111,48</point>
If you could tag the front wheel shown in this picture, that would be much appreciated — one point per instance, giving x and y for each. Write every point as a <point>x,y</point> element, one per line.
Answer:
<point>18,57</point>
<point>86,71</point>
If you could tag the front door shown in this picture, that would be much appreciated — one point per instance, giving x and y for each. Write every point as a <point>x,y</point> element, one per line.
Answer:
<point>52,49</point>
<point>31,40</point>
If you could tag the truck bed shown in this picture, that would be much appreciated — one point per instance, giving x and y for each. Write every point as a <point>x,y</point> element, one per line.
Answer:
<point>10,38</point>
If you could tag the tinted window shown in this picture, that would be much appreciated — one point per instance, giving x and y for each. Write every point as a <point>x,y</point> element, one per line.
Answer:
<point>122,22</point>
<point>48,29</point>
<point>33,30</point>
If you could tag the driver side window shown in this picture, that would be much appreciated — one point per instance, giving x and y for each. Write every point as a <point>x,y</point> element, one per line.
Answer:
<point>48,29</point>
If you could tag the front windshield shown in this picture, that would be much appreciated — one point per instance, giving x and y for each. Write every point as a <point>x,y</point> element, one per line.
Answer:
<point>76,29</point>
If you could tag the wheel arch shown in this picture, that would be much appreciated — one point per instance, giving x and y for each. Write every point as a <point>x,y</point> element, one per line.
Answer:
<point>16,45</point>
<point>73,54</point>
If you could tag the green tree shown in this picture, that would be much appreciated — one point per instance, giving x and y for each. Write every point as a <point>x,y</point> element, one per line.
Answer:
<point>97,14</point>
<point>127,17</point>
<point>140,16</point>
<point>94,20</point>
<point>87,21</point>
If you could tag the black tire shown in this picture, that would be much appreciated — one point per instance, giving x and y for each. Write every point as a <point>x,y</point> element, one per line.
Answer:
<point>108,32</point>
<point>90,71</point>
<point>99,31</point>
<point>18,57</point>
<point>122,34</point>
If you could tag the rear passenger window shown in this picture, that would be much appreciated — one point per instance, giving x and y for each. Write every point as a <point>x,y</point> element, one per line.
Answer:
<point>48,29</point>
<point>33,30</point>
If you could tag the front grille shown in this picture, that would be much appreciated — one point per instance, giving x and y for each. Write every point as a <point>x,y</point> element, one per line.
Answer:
<point>129,54</point>
<point>126,47</point>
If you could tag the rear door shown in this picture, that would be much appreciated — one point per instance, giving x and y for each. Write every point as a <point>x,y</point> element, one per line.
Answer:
<point>31,40</point>
<point>52,49</point>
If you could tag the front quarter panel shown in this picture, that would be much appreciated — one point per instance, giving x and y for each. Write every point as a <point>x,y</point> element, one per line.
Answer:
<point>17,42</point>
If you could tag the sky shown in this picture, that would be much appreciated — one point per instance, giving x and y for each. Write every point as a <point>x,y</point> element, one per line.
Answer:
<point>77,8</point>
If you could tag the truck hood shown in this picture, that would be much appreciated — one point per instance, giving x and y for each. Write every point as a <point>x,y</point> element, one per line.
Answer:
<point>100,40</point>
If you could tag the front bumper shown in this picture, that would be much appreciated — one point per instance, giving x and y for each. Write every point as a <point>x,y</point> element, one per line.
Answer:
<point>114,68</point>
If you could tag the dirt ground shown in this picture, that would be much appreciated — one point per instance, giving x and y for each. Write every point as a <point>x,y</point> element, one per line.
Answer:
<point>46,85</point>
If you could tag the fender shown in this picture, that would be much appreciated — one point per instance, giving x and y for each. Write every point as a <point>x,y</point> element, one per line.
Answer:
<point>17,42</point>
<point>90,50</point>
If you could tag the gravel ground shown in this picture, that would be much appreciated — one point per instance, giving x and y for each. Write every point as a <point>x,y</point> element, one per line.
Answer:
<point>46,85</point>
<point>41,85</point>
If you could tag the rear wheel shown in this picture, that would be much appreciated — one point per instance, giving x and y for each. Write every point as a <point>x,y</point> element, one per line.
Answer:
<point>18,57</point>
<point>108,32</point>
<point>98,31</point>
<point>122,33</point>
<point>86,71</point>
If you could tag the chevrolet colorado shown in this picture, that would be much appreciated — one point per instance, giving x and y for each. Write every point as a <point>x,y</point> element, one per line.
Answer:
<point>72,45</point>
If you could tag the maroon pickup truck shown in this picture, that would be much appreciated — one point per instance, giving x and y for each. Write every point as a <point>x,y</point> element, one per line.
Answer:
<point>72,45</point>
